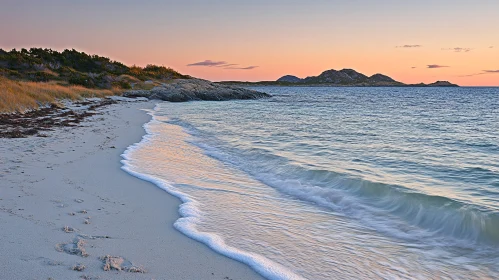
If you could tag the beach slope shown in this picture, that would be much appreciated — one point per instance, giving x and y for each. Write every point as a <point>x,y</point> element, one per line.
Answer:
<point>67,210</point>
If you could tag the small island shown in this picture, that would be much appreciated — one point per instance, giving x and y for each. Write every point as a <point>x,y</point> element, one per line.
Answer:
<point>345,77</point>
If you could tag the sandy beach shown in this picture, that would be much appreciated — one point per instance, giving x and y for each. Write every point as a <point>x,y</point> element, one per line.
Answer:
<point>66,206</point>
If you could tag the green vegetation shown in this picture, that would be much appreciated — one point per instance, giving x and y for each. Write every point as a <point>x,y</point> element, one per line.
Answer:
<point>38,77</point>
<point>71,67</point>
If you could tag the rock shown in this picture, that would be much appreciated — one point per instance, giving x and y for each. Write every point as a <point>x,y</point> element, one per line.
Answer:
<point>182,90</point>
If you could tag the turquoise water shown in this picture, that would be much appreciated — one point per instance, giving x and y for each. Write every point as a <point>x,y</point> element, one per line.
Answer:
<point>335,183</point>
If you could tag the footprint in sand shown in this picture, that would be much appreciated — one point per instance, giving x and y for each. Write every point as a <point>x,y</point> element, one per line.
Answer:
<point>119,264</point>
<point>74,248</point>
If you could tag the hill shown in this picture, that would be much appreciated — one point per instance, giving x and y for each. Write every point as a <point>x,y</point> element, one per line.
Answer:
<point>78,68</point>
<point>289,79</point>
<point>40,77</point>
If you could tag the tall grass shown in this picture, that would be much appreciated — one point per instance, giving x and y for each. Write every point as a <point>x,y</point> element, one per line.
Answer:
<point>20,96</point>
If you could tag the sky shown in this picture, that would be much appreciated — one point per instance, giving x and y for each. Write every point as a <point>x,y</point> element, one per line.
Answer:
<point>410,41</point>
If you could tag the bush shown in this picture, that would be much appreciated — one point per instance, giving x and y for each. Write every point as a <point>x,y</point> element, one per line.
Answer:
<point>78,68</point>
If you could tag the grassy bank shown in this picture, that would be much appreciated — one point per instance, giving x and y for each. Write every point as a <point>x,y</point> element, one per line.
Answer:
<point>38,77</point>
<point>19,96</point>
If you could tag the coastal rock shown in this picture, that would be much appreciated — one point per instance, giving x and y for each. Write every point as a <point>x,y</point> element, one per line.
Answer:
<point>182,90</point>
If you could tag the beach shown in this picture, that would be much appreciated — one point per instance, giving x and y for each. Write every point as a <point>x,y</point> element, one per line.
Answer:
<point>68,210</point>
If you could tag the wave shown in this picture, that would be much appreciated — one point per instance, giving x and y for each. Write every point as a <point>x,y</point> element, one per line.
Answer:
<point>190,216</point>
<point>393,209</point>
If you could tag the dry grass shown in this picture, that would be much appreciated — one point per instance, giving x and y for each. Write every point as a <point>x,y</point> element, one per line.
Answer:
<point>144,86</point>
<point>50,72</point>
<point>128,78</point>
<point>20,96</point>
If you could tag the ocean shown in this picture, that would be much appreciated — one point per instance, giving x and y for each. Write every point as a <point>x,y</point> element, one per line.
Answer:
<point>335,182</point>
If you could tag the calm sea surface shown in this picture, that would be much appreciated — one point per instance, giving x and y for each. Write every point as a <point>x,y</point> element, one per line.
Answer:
<point>336,183</point>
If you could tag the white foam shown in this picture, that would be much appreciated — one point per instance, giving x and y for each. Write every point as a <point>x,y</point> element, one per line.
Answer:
<point>190,215</point>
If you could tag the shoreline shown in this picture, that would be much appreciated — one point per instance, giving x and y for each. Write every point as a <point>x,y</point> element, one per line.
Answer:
<point>65,196</point>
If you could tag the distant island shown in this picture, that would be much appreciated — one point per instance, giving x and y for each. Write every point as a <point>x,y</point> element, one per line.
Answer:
<point>345,77</point>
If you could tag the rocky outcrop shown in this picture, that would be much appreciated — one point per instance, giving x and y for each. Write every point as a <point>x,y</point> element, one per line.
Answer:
<point>182,90</point>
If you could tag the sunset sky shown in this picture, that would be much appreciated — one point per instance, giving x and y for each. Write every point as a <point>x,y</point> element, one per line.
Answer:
<point>411,41</point>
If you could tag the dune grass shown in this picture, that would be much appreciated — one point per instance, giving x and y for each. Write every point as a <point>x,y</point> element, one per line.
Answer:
<point>20,96</point>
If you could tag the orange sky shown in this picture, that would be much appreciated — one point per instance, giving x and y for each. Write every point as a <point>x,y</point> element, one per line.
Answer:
<point>280,37</point>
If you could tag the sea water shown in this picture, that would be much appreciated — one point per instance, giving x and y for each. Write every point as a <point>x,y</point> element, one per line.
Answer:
<point>335,182</point>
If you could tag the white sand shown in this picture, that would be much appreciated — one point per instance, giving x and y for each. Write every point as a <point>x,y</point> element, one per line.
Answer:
<point>44,180</point>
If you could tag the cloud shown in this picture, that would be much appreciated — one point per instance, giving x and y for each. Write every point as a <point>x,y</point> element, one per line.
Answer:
<point>471,75</point>
<point>409,46</point>
<point>242,68</point>
<point>227,65</point>
<point>483,73</point>
<point>208,63</point>
<point>434,66</point>
<point>221,64</point>
<point>458,49</point>
<point>491,47</point>
<point>413,67</point>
